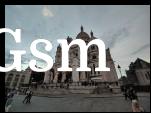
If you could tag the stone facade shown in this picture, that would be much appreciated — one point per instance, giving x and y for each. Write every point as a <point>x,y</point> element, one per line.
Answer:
<point>139,73</point>
<point>14,79</point>
<point>74,61</point>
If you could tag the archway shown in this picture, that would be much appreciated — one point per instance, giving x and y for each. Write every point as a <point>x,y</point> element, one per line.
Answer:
<point>59,77</point>
<point>68,77</point>
<point>52,75</point>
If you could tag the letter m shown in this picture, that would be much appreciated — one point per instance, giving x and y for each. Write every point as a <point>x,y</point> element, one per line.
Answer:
<point>83,55</point>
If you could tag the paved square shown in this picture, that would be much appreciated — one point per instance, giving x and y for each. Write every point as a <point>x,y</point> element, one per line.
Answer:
<point>79,103</point>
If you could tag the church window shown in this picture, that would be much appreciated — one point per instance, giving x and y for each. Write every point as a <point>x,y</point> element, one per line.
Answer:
<point>16,79</point>
<point>94,57</point>
<point>10,76</point>
<point>23,77</point>
<point>148,74</point>
<point>93,47</point>
<point>76,54</point>
<point>14,84</point>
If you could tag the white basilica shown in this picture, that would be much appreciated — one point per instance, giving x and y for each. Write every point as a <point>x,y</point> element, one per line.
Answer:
<point>54,76</point>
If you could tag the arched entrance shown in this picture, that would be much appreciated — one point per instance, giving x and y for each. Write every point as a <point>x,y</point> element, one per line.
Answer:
<point>68,77</point>
<point>59,77</point>
<point>52,75</point>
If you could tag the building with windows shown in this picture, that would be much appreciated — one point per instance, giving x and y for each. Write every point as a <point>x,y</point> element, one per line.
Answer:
<point>74,62</point>
<point>139,73</point>
<point>14,79</point>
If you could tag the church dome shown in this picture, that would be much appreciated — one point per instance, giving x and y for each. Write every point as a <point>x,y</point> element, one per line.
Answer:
<point>83,35</point>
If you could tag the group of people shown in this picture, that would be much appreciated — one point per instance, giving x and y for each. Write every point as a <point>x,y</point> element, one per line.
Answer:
<point>9,97</point>
<point>130,93</point>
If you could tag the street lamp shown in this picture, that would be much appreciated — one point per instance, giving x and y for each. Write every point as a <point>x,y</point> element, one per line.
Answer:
<point>119,68</point>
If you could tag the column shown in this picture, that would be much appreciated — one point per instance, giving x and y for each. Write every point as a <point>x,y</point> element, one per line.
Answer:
<point>55,77</point>
<point>63,77</point>
<point>83,78</point>
<point>11,84</point>
<point>46,77</point>
<point>75,76</point>
<point>19,80</point>
<point>51,76</point>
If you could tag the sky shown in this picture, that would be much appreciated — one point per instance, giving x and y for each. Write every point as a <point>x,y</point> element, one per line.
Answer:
<point>125,29</point>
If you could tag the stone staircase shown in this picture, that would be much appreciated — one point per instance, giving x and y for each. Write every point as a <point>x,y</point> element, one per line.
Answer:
<point>46,92</point>
<point>101,90</point>
<point>72,90</point>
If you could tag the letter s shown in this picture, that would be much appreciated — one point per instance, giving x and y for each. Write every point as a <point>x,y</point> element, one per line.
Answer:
<point>41,55</point>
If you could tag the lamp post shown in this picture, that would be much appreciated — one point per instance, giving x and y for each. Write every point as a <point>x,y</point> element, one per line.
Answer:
<point>119,68</point>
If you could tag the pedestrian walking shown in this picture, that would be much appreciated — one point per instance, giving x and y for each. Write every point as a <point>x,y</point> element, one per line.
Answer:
<point>29,97</point>
<point>9,101</point>
<point>136,106</point>
<point>125,93</point>
<point>132,94</point>
<point>67,85</point>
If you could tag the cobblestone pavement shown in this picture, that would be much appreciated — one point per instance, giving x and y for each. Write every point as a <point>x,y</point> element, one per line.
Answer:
<point>79,103</point>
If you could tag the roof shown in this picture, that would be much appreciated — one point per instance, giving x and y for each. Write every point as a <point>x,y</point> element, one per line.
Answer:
<point>83,35</point>
<point>139,64</point>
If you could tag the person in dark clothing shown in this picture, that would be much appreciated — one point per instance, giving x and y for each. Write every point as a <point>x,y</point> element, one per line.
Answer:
<point>29,97</point>
<point>125,93</point>
<point>67,85</point>
<point>136,107</point>
<point>132,94</point>
<point>25,99</point>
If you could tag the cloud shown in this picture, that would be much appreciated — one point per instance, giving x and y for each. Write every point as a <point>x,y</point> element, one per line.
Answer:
<point>47,12</point>
<point>113,37</point>
<point>141,49</point>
